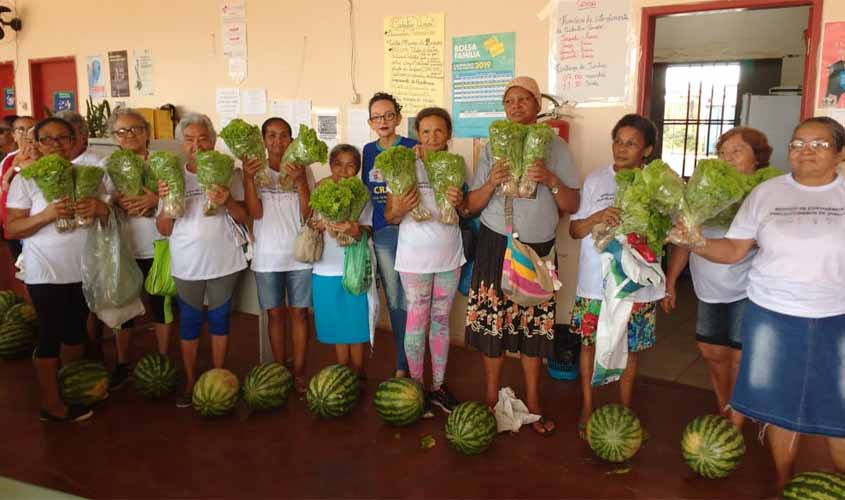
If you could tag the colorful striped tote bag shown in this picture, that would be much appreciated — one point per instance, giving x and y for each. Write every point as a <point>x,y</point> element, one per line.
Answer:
<point>527,278</point>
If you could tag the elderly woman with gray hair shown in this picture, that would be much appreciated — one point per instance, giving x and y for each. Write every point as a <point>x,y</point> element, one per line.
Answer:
<point>205,258</point>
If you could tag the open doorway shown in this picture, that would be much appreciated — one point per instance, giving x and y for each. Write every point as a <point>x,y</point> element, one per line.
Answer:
<point>706,69</point>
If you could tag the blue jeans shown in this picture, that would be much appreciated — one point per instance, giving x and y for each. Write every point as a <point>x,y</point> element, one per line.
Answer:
<point>384,241</point>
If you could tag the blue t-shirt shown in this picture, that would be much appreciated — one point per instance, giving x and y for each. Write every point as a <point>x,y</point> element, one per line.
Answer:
<point>375,180</point>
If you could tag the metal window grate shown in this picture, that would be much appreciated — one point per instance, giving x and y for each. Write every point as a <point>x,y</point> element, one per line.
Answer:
<point>699,104</point>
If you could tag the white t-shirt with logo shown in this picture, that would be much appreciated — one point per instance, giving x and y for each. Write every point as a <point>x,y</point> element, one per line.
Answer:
<point>428,246</point>
<point>598,193</point>
<point>276,230</point>
<point>716,283</point>
<point>799,268</point>
<point>203,247</point>
<point>331,263</point>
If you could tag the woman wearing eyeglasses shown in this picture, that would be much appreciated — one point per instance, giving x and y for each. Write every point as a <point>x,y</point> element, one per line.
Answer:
<point>24,133</point>
<point>131,131</point>
<point>52,264</point>
<point>385,116</point>
<point>793,328</point>
<point>720,288</point>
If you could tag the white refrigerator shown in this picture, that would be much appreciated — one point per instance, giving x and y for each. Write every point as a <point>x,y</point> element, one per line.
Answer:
<point>776,116</point>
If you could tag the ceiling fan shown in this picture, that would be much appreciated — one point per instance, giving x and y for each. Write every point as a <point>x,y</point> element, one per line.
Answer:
<point>15,23</point>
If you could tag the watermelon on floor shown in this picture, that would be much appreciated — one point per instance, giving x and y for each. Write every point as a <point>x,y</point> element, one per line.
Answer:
<point>267,386</point>
<point>21,312</point>
<point>83,383</point>
<point>399,401</point>
<point>154,376</point>
<point>470,428</point>
<point>332,392</point>
<point>8,298</point>
<point>815,486</point>
<point>17,340</point>
<point>614,433</point>
<point>712,446</point>
<point>216,392</point>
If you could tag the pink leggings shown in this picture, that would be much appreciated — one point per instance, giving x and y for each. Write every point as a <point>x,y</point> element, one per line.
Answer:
<point>428,297</point>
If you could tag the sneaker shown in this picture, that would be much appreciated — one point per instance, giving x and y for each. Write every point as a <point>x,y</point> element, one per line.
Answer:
<point>75,413</point>
<point>185,401</point>
<point>428,412</point>
<point>444,399</point>
<point>119,376</point>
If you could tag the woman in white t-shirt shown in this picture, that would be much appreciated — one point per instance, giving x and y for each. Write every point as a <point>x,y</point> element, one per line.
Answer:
<point>52,268</point>
<point>720,288</point>
<point>278,216</point>
<point>793,328</point>
<point>429,257</point>
<point>205,259</point>
<point>633,142</point>
<point>131,131</point>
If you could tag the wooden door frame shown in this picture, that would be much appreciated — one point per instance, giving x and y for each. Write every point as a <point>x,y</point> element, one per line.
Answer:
<point>49,60</point>
<point>648,23</point>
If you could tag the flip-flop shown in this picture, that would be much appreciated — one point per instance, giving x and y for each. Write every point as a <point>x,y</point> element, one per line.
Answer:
<point>546,432</point>
<point>582,431</point>
<point>300,385</point>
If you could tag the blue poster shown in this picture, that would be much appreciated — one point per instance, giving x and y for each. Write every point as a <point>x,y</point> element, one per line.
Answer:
<point>63,101</point>
<point>9,98</point>
<point>482,65</point>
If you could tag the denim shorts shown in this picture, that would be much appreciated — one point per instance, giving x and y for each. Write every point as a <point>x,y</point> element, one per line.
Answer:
<point>792,372</point>
<point>721,323</point>
<point>274,286</point>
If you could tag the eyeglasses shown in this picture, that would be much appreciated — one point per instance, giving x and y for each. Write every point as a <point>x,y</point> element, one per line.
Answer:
<point>122,132</point>
<point>815,145</point>
<point>626,145</point>
<point>734,151</point>
<point>387,117</point>
<point>20,130</point>
<point>60,140</point>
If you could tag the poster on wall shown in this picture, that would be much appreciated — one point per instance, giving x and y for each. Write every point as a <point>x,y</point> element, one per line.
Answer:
<point>63,101</point>
<point>9,98</point>
<point>592,51</point>
<point>233,19</point>
<point>414,59</point>
<point>142,64</point>
<point>96,77</point>
<point>482,65</point>
<point>119,73</point>
<point>832,77</point>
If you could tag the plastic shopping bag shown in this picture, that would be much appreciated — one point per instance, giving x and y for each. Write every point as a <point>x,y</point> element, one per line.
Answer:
<point>159,280</point>
<point>357,267</point>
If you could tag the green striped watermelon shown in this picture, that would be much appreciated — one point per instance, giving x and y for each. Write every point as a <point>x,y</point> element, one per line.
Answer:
<point>216,392</point>
<point>22,312</point>
<point>332,392</point>
<point>712,446</point>
<point>266,386</point>
<point>614,433</point>
<point>83,383</point>
<point>154,376</point>
<point>815,486</point>
<point>470,428</point>
<point>399,401</point>
<point>8,298</point>
<point>17,340</point>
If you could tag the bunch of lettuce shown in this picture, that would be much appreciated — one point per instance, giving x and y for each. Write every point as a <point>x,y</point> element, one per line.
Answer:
<point>165,166</point>
<point>445,170</point>
<point>398,164</point>
<point>213,169</point>
<point>332,200</point>
<point>536,147</point>
<point>306,149</point>
<point>54,177</point>
<point>86,184</point>
<point>749,182</point>
<point>245,140</point>
<point>507,142</point>
<point>360,196</point>
<point>126,171</point>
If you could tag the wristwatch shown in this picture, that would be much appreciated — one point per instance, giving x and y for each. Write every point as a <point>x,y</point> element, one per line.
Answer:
<point>554,189</point>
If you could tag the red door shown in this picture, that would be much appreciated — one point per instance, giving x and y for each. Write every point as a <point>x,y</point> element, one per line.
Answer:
<point>7,89</point>
<point>53,85</point>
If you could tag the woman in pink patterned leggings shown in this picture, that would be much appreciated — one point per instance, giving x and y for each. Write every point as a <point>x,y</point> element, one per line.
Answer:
<point>429,257</point>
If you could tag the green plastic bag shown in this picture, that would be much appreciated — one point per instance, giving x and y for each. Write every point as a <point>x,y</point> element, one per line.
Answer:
<point>357,267</point>
<point>159,281</point>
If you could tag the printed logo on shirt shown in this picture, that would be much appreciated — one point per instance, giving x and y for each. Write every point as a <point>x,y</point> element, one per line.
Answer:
<point>376,175</point>
<point>808,214</point>
<point>606,200</point>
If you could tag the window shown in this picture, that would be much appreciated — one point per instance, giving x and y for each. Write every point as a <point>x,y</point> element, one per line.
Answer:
<point>700,103</point>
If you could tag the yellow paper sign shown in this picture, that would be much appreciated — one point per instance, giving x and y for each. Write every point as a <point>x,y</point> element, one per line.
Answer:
<point>414,60</point>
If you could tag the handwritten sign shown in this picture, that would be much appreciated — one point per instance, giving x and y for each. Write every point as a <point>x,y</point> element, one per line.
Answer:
<point>589,48</point>
<point>414,60</point>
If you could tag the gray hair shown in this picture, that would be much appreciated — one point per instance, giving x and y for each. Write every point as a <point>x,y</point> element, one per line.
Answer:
<point>130,112</point>
<point>75,119</point>
<point>195,119</point>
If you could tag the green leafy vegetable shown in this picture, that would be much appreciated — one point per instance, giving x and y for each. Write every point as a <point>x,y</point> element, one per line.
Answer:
<point>360,196</point>
<point>332,200</point>
<point>306,149</point>
<point>126,171</point>
<point>213,169</point>
<point>245,140</point>
<point>54,177</point>
<point>86,181</point>
<point>165,166</point>
<point>445,170</point>
<point>507,142</point>
<point>398,164</point>
<point>536,147</point>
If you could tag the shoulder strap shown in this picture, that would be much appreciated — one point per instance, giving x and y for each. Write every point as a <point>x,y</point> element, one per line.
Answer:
<point>509,214</point>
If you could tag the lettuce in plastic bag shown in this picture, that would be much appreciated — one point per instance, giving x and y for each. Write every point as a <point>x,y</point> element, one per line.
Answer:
<point>54,177</point>
<point>507,142</point>
<point>245,140</point>
<point>86,184</point>
<point>306,149</point>
<point>445,170</point>
<point>398,164</point>
<point>537,141</point>
<point>360,196</point>
<point>332,200</point>
<point>166,166</point>
<point>126,171</point>
<point>213,169</point>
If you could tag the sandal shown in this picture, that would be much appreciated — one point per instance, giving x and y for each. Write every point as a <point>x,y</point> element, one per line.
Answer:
<point>300,385</point>
<point>582,431</point>
<point>546,432</point>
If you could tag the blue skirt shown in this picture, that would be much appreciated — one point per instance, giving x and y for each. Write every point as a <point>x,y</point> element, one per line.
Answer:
<point>340,318</point>
<point>792,372</point>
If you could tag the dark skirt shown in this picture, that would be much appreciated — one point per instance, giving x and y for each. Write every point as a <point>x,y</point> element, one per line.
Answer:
<point>494,323</point>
